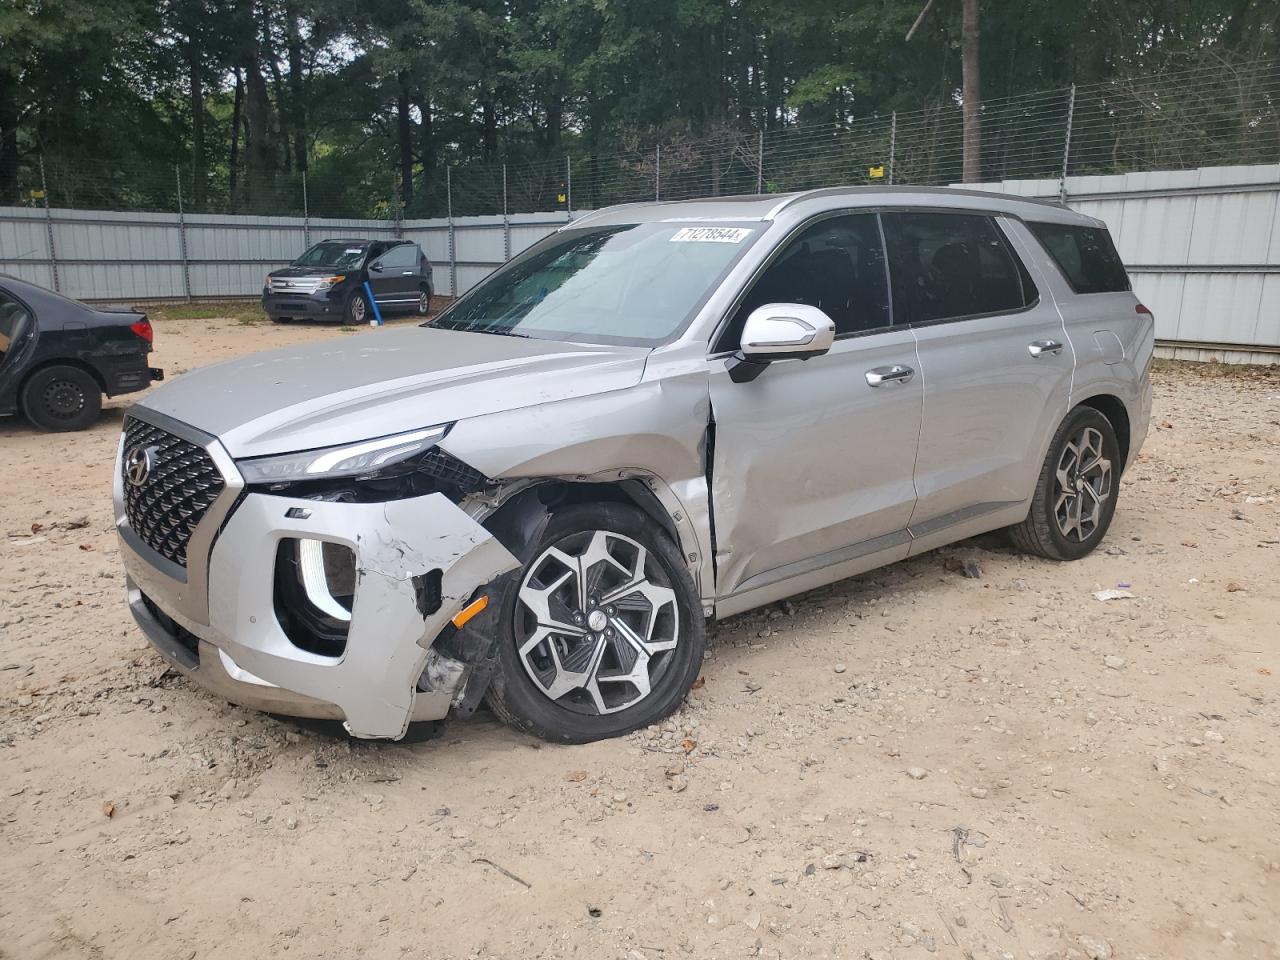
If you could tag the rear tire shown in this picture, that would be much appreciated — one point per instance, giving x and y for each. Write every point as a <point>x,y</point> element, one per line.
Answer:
<point>61,398</point>
<point>640,619</point>
<point>424,302</point>
<point>1076,492</point>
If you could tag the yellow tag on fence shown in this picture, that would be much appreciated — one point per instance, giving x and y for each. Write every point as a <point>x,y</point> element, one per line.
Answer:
<point>876,173</point>
<point>560,198</point>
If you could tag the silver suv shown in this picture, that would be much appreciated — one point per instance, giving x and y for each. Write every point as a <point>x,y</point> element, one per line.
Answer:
<point>662,413</point>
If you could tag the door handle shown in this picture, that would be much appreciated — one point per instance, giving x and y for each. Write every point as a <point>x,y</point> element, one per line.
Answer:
<point>898,373</point>
<point>1038,348</point>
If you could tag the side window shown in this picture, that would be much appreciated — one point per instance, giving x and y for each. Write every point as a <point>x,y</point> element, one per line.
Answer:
<point>836,265</point>
<point>1086,256</point>
<point>13,321</point>
<point>403,257</point>
<point>951,265</point>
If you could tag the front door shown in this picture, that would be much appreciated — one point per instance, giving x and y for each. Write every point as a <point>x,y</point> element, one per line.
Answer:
<point>995,365</point>
<point>812,468</point>
<point>393,277</point>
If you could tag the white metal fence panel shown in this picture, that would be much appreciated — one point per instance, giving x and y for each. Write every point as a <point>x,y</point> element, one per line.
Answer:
<point>1203,247</point>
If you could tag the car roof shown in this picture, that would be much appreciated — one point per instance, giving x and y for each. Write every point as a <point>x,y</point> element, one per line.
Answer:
<point>40,298</point>
<point>776,206</point>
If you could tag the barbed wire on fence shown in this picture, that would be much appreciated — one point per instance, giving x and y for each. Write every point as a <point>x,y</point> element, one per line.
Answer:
<point>1221,114</point>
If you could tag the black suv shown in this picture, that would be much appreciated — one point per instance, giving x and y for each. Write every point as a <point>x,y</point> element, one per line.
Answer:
<point>328,281</point>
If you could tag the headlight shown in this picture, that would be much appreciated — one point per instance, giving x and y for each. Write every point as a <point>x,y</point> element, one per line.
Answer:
<point>330,282</point>
<point>349,460</point>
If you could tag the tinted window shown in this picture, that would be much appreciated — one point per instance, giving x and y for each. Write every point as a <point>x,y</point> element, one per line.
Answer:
<point>836,265</point>
<point>13,320</point>
<point>403,257</point>
<point>950,265</point>
<point>1086,256</point>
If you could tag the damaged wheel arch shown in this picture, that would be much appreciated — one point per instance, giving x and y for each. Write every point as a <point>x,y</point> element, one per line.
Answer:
<point>462,659</point>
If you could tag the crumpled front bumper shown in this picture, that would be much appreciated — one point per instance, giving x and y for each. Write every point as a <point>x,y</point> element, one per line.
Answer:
<point>243,654</point>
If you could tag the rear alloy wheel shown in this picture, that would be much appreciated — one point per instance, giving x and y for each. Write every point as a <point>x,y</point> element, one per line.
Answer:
<point>424,303</point>
<point>603,630</point>
<point>1075,496</point>
<point>61,398</point>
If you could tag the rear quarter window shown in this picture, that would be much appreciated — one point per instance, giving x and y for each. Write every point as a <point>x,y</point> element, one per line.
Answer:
<point>1086,256</point>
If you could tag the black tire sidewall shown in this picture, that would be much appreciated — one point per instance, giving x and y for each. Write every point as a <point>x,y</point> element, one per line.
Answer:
<point>33,404</point>
<point>350,315</point>
<point>528,706</point>
<point>1046,496</point>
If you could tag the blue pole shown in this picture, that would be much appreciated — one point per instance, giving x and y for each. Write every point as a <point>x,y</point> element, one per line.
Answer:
<point>377,314</point>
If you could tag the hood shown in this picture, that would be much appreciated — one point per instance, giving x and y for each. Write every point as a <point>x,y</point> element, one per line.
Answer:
<point>311,271</point>
<point>384,382</point>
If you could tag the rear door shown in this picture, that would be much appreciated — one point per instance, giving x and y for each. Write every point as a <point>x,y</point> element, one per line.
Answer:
<point>995,365</point>
<point>811,477</point>
<point>394,277</point>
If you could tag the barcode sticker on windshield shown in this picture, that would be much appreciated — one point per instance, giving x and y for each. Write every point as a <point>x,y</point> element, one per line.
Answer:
<point>711,235</point>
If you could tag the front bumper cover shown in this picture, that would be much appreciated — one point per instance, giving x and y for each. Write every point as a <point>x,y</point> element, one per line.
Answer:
<point>245,656</point>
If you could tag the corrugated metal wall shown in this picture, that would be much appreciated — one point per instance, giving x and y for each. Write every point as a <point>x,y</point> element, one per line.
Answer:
<point>1203,247</point>
<point>101,255</point>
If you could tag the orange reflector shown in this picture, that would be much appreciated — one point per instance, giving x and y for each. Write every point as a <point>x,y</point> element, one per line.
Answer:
<point>469,611</point>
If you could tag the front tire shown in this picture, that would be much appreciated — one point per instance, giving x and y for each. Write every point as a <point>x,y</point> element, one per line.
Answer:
<point>358,311</point>
<point>61,398</point>
<point>1076,492</point>
<point>601,632</point>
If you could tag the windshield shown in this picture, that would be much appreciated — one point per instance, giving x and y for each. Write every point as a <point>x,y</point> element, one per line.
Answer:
<point>635,284</point>
<point>333,253</point>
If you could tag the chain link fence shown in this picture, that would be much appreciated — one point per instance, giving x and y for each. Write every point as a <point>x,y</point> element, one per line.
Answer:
<point>1217,115</point>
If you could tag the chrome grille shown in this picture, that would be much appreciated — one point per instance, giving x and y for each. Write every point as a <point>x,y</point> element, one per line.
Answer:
<point>298,285</point>
<point>180,486</point>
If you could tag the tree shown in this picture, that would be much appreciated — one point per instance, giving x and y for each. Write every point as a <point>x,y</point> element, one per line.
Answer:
<point>970,32</point>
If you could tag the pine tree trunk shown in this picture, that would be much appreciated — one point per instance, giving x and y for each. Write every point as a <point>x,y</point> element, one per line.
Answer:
<point>237,110</point>
<point>297,102</point>
<point>8,141</point>
<point>199,174</point>
<point>404,126</point>
<point>972,92</point>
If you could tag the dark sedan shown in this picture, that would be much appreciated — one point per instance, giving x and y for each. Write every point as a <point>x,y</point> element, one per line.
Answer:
<point>59,356</point>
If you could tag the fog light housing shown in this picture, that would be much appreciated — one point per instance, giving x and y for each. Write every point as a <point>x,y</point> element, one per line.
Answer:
<point>314,592</point>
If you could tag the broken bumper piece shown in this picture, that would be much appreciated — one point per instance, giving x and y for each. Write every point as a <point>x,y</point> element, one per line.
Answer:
<point>416,563</point>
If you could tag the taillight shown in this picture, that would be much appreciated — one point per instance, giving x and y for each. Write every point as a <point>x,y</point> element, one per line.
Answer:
<point>1141,308</point>
<point>143,329</point>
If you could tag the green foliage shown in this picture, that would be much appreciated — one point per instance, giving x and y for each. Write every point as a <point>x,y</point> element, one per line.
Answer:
<point>128,101</point>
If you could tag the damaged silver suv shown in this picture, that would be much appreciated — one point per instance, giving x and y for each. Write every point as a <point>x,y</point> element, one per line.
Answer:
<point>661,413</point>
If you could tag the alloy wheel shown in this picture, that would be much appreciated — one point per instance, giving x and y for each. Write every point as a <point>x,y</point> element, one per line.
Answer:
<point>357,309</point>
<point>596,622</point>
<point>1083,485</point>
<point>424,303</point>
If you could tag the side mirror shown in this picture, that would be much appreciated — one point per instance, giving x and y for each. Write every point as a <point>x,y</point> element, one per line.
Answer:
<point>375,268</point>
<point>780,331</point>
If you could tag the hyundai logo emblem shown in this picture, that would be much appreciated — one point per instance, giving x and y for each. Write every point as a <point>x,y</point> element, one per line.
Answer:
<point>137,465</point>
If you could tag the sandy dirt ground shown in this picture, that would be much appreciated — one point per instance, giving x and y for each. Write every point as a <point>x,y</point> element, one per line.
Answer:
<point>912,762</point>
